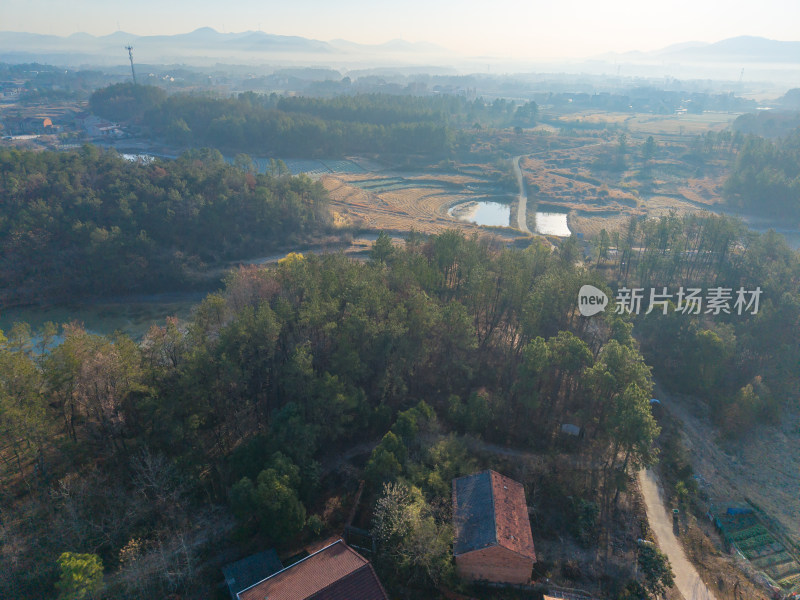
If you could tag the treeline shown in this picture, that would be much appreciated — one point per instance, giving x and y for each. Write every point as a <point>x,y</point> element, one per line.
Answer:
<point>136,458</point>
<point>768,123</point>
<point>766,177</point>
<point>271,125</point>
<point>743,364</point>
<point>126,101</point>
<point>378,109</point>
<point>646,100</point>
<point>90,222</point>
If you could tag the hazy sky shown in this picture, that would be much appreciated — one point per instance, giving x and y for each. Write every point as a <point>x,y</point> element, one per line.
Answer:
<point>508,28</point>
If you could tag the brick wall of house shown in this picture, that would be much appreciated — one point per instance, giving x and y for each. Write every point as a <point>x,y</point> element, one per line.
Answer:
<point>494,564</point>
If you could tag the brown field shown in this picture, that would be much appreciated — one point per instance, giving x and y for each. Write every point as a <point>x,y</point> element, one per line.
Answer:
<point>645,123</point>
<point>450,179</point>
<point>680,124</point>
<point>571,178</point>
<point>589,219</point>
<point>562,174</point>
<point>591,226</point>
<point>567,189</point>
<point>563,182</point>
<point>707,191</point>
<point>598,116</point>
<point>565,173</point>
<point>422,208</point>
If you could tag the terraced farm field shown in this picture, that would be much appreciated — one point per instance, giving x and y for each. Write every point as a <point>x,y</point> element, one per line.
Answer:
<point>316,168</point>
<point>397,202</point>
<point>744,531</point>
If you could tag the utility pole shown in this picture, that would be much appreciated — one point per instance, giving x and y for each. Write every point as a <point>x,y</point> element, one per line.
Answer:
<point>130,55</point>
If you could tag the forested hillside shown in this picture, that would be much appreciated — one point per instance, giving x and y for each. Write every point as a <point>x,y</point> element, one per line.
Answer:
<point>223,428</point>
<point>743,364</point>
<point>768,123</point>
<point>229,431</point>
<point>271,125</point>
<point>90,222</point>
<point>766,177</point>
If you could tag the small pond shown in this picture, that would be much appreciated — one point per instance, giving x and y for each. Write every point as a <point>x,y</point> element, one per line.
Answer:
<point>552,223</point>
<point>484,212</point>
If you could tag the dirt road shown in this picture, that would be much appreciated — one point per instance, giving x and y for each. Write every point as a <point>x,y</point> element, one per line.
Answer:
<point>522,205</point>
<point>687,580</point>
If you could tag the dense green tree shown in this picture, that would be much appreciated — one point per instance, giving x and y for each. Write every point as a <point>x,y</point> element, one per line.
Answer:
<point>81,576</point>
<point>25,421</point>
<point>125,101</point>
<point>90,222</point>
<point>526,114</point>
<point>289,126</point>
<point>766,176</point>
<point>382,249</point>
<point>415,538</point>
<point>272,500</point>
<point>656,570</point>
<point>383,464</point>
<point>617,370</point>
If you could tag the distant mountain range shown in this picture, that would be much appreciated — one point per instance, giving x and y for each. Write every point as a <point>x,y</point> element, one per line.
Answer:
<point>206,46</point>
<point>201,46</point>
<point>742,49</point>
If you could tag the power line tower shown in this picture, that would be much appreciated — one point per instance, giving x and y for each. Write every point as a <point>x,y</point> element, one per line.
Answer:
<point>130,55</point>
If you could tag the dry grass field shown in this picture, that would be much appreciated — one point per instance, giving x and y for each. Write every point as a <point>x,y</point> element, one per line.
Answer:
<point>563,173</point>
<point>686,124</point>
<point>580,180</point>
<point>597,116</point>
<point>592,204</point>
<point>650,124</point>
<point>419,202</point>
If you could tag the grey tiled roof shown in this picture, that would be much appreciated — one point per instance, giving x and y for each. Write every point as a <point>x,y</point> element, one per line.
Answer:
<point>242,574</point>
<point>473,513</point>
<point>489,509</point>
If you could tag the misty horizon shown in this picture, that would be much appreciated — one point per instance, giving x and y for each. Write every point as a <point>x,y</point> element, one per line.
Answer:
<point>574,29</point>
<point>428,45</point>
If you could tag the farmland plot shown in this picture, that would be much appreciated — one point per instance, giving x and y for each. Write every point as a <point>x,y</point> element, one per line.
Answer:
<point>744,531</point>
<point>404,202</point>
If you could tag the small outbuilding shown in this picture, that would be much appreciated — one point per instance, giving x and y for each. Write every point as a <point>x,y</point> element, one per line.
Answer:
<point>493,540</point>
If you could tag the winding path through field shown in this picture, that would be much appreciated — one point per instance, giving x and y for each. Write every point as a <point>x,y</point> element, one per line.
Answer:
<point>522,205</point>
<point>687,579</point>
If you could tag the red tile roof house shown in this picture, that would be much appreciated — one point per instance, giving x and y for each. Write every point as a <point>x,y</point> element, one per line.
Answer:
<point>337,572</point>
<point>493,540</point>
